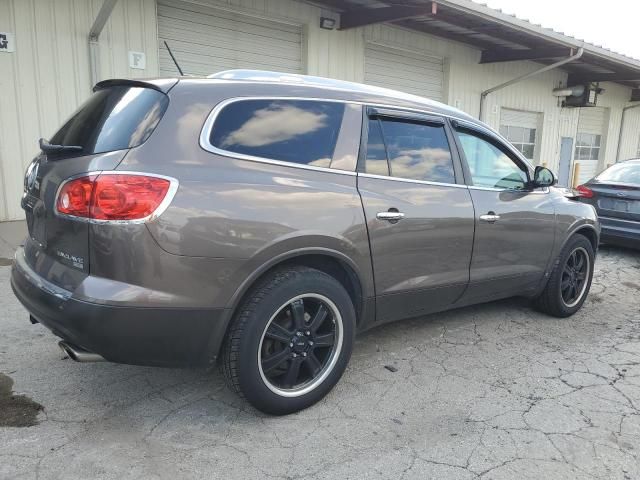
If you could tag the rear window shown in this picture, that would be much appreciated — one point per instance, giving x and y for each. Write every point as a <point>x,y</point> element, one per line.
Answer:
<point>113,118</point>
<point>297,131</point>
<point>622,173</point>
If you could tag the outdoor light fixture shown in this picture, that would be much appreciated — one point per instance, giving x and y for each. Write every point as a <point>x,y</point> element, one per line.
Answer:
<point>327,23</point>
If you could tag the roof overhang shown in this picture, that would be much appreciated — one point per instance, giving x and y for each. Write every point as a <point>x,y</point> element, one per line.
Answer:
<point>501,37</point>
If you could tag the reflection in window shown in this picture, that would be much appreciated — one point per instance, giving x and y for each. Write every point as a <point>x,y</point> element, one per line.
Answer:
<point>297,131</point>
<point>415,151</point>
<point>113,118</point>
<point>490,166</point>
<point>625,172</point>
<point>376,161</point>
<point>588,146</point>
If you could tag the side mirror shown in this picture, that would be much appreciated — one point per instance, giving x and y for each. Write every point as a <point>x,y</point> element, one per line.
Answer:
<point>543,177</point>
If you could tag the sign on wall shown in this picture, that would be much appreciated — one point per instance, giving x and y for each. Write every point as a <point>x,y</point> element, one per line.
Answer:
<point>137,60</point>
<point>7,42</point>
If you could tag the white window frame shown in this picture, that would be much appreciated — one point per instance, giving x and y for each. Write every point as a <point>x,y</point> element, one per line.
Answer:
<point>504,131</point>
<point>595,145</point>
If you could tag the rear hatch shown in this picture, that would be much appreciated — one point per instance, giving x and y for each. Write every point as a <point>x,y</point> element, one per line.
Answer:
<point>120,115</point>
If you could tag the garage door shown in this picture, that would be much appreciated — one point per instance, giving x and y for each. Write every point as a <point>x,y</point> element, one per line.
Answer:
<point>207,40</point>
<point>406,71</point>
<point>590,141</point>
<point>521,129</point>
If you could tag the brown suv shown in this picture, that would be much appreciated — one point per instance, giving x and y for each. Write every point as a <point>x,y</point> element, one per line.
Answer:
<point>261,220</point>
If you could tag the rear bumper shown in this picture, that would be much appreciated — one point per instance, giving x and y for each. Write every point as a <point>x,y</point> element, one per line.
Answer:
<point>135,335</point>
<point>622,232</point>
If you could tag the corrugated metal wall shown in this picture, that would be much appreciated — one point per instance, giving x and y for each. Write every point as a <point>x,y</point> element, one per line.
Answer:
<point>403,70</point>
<point>48,75</point>
<point>208,40</point>
<point>630,148</point>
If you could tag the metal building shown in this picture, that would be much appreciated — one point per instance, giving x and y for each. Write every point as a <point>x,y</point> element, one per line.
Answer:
<point>455,51</point>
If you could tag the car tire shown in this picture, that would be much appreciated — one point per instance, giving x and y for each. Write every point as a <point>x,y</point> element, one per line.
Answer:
<point>297,316</point>
<point>564,295</point>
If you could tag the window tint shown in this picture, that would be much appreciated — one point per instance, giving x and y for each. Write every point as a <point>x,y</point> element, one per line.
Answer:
<point>113,118</point>
<point>297,131</point>
<point>415,151</point>
<point>376,161</point>
<point>490,166</point>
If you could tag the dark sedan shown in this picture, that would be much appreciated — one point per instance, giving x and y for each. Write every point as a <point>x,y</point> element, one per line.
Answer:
<point>615,194</point>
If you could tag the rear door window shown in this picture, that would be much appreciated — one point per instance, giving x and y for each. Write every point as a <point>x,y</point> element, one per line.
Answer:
<point>298,131</point>
<point>113,118</point>
<point>415,151</point>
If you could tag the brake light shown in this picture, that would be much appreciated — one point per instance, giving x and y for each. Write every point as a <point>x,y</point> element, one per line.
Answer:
<point>113,197</point>
<point>584,191</point>
<point>75,197</point>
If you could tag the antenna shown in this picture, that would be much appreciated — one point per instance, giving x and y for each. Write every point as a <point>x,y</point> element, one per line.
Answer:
<point>173,58</point>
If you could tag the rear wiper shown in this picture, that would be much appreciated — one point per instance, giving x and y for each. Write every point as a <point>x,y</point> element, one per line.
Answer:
<point>47,147</point>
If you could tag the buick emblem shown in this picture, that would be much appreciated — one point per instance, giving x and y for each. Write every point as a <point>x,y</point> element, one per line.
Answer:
<point>621,194</point>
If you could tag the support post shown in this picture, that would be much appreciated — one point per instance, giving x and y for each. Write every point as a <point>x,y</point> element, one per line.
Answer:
<point>576,175</point>
<point>483,95</point>
<point>94,37</point>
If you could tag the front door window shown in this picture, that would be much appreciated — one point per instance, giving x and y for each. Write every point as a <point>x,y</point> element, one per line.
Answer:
<point>490,166</point>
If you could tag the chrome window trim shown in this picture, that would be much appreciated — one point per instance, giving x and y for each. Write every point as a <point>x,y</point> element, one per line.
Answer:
<point>409,180</point>
<point>205,135</point>
<point>542,191</point>
<point>173,189</point>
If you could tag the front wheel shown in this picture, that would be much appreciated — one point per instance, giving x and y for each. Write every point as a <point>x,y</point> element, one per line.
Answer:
<point>570,280</point>
<point>290,341</point>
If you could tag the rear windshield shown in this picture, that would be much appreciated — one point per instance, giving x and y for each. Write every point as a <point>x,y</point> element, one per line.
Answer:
<point>113,118</point>
<point>622,173</point>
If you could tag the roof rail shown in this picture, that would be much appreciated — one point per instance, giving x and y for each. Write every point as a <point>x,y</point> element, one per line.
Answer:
<point>281,77</point>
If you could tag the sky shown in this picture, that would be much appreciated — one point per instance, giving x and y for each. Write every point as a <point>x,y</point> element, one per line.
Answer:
<point>612,24</point>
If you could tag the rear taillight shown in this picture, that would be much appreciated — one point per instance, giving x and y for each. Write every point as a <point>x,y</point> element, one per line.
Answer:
<point>584,191</point>
<point>114,196</point>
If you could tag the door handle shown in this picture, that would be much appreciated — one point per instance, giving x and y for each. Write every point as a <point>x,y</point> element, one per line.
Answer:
<point>490,217</point>
<point>390,216</point>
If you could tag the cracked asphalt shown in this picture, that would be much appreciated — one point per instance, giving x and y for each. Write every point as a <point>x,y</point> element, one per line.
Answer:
<point>496,391</point>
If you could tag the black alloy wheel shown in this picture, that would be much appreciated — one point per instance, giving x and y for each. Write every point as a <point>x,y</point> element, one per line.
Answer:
<point>575,276</point>
<point>299,345</point>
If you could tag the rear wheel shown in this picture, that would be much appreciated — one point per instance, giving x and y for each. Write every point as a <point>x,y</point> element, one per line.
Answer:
<point>290,341</point>
<point>570,280</point>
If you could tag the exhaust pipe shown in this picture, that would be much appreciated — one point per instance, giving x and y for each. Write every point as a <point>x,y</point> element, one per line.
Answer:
<point>78,354</point>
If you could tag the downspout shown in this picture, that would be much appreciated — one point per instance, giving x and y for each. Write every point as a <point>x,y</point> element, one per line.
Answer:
<point>624,116</point>
<point>94,36</point>
<point>483,95</point>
